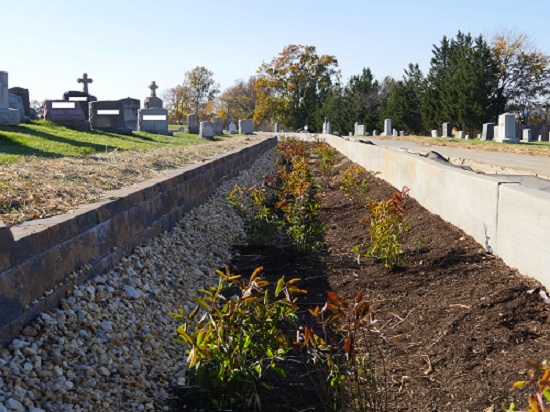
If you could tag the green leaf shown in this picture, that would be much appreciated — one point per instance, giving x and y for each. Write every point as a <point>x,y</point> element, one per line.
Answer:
<point>281,372</point>
<point>280,285</point>
<point>546,394</point>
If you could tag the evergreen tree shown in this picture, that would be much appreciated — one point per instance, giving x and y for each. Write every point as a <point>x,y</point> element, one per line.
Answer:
<point>404,101</point>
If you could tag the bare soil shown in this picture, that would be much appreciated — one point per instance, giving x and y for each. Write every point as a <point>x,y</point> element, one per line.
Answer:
<point>459,323</point>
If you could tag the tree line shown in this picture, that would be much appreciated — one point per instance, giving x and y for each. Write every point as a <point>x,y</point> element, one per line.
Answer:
<point>470,81</point>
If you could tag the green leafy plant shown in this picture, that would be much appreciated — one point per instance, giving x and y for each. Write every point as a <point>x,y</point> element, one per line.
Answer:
<point>253,205</point>
<point>238,337</point>
<point>539,385</point>
<point>356,184</point>
<point>327,158</point>
<point>347,363</point>
<point>301,208</point>
<point>387,225</point>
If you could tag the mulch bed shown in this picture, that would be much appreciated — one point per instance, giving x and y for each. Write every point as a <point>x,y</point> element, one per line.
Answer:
<point>459,323</point>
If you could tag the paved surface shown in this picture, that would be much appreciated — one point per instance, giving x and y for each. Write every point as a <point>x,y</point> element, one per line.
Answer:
<point>478,160</point>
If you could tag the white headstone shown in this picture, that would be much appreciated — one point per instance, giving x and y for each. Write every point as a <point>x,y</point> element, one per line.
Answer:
<point>376,132</point>
<point>506,132</point>
<point>8,117</point>
<point>401,133</point>
<point>434,133</point>
<point>526,135</point>
<point>360,129</point>
<point>461,134</point>
<point>246,126</point>
<point>395,133</point>
<point>387,127</point>
<point>206,130</point>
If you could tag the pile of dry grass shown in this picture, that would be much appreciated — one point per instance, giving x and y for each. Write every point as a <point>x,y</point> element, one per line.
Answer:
<point>36,188</point>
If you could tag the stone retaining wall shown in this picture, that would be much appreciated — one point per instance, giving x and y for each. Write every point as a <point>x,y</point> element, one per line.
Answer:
<point>41,259</point>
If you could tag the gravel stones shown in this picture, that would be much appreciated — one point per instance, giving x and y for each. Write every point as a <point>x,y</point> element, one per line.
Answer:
<point>108,346</point>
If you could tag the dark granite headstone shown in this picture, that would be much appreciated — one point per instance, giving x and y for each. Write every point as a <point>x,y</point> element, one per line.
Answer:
<point>130,109</point>
<point>108,116</point>
<point>193,123</point>
<point>81,97</point>
<point>488,131</point>
<point>66,113</point>
<point>447,130</point>
<point>24,94</point>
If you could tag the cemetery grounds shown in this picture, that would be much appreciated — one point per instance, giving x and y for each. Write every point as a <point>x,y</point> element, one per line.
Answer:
<point>458,323</point>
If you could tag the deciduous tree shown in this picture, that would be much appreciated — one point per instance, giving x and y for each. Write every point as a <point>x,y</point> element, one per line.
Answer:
<point>290,89</point>
<point>523,71</point>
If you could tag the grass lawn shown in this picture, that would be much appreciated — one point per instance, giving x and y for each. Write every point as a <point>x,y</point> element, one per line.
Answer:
<point>46,140</point>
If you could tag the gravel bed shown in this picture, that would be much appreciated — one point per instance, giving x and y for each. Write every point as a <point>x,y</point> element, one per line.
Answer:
<point>108,346</point>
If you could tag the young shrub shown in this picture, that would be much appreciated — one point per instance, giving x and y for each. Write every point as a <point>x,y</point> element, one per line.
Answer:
<point>348,365</point>
<point>301,208</point>
<point>238,337</point>
<point>327,158</point>
<point>252,205</point>
<point>539,387</point>
<point>356,184</point>
<point>387,226</point>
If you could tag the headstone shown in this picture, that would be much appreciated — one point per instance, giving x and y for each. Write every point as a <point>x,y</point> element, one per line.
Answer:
<point>82,98</point>
<point>193,123</point>
<point>66,113</point>
<point>395,134</point>
<point>24,94</point>
<point>479,135</point>
<point>367,133</point>
<point>360,129</point>
<point>17,103</point>
<point>506,131</point>
<point>181,129</point>
<point>376,132</point>
<point>246,126</point>
<point>107,116</point>
<point>217,124</point>
<point>434,133</point>
<point>232,128</point>
<point>85,80</point>
<point>526,135</point>
<point>401,133</point>
<point>153,101</point>
<point>8,117</point>
<point>154,120</point>
<point>130,110</point>
<point>461,134</point>
<point>206,130</point>
<point>540,138</point>
<point>488,132</point>
<point>447,130</point>
<point>276,127</point>
<point>387,127</point>
<point>467,137</point>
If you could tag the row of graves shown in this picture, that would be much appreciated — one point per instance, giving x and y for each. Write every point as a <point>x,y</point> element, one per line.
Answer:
<point>504,132</point>
<point>83,111</point>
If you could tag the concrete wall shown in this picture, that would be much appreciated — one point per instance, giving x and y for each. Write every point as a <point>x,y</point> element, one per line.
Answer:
<point>41,259</point>
<point>509,220</point>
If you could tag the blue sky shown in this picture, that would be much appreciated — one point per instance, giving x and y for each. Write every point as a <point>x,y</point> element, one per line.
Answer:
<point>124,45</point>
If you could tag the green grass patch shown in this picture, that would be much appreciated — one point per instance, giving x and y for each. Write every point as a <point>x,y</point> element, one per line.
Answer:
<point>46,140</point>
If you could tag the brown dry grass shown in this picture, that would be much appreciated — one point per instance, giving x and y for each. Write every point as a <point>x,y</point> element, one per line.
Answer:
<point>36,188</point>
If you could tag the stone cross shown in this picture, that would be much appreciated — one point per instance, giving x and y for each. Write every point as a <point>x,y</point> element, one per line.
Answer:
<point>86,81</point>
<point>153,88</point>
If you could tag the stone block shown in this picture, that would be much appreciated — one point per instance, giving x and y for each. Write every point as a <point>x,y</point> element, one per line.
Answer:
<point>108,116</point>
<point>154,120</point>
<point>246,126</point>
<point>66,113</point>
<point>206,130</point>
<point>193,123</point>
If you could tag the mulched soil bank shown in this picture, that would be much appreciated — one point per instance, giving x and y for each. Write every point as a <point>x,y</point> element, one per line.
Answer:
<point>459,323</point>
